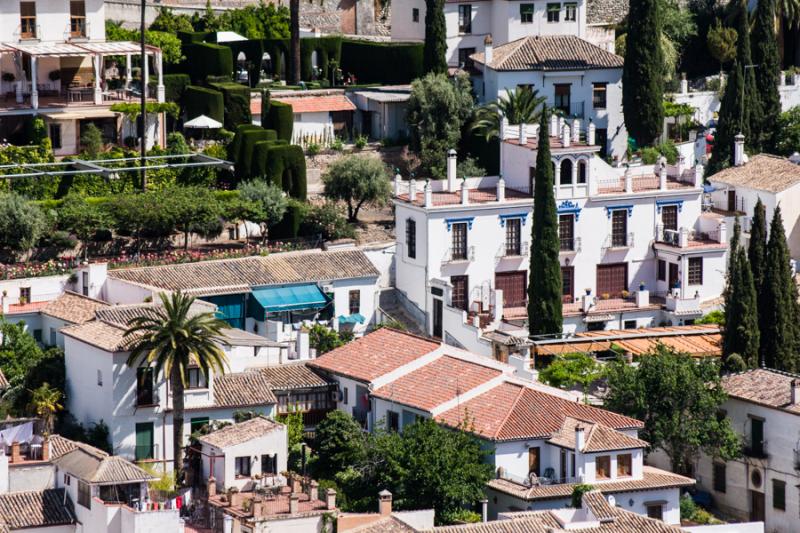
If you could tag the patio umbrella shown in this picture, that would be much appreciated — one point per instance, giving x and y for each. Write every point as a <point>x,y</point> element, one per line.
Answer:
<point>203,123</point>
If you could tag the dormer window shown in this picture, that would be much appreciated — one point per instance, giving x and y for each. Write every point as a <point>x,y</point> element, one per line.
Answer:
<point>602,466</point>
<point>624,465</point>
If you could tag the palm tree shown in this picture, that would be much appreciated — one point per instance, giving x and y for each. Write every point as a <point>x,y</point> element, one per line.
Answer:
<point>294,41</point>
<point>521,106</point>
<point>46,402</point>
<point>170,338</point>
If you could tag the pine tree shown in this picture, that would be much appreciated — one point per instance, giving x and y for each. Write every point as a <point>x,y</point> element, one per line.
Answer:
<point>730,122</point>
<point>741,334</point>
<point>544,288</point>
<point>768,70</point>
<point>779,336</point>
<point>435,52</point>
<point>750,107</point>
<point>757,252</point>
<point>643,73</point>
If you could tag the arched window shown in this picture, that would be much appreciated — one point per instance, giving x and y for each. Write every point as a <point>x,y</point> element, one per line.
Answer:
<point>582,171</point>
<point>566,172</point>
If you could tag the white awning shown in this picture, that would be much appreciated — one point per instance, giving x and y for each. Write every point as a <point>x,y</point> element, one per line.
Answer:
<point>78,49</point>
<point>203,123</point>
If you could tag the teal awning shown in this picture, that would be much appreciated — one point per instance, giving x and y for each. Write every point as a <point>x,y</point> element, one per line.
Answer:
<point>355,318</point>
<point>290,298</point>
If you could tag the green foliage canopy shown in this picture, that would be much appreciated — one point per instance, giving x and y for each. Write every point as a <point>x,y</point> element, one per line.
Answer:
<point>357,181</point>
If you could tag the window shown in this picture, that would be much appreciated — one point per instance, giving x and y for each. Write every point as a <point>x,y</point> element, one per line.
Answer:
<point>756,437</point>
<point>513,237</point>
<point>99,378</point>
<point>601,140</point>
<point>55,135</point>
<point>567,284</point>
<point>145,441</point>
<point>411,238</point>
<point>24,295</point>
<point>599,95</point>
<point>719,480</point>
<point>85,283</point>
<point>779,494</point>
<point>53,336</point>
<point>630,324</point>
<point>354,301</point>
<point>531,178</point>
<point>269,464</point>
<point>695,271</point>
<point>197,423</point>
<point>37,335</point>
<point>459,295</point>
<point>459,240</point>
<point>619,227</point>
<point>415,14</point>
<point>145,386</point>
<point>565,177</point>
<point>464,59</point>
<point>84,494</point>
<point>662,270</point>
<point>566,231</point>
<point>582,171</point>
<point>345,394</point>
<point>67,479</point>
<point>392,421</point>
<point>655,510</point>
<point>195,379</point>
<point>465,18</point>
<point>534,460</point>
<point>602,466</point>
<point>242,466</point>
<point>27,14</point>
<point>77,18</point>
<point>562,97</point>
<point>669,217</point>
<point>553,12</point>
<point>570,12</point>
<point>624,465</point>
<point>526,13</point>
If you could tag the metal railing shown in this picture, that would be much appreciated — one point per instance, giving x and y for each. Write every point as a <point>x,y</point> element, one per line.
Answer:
<point>518,250</point>
<point>570,244</point>
<point>453,255</point>
<point>757,450</point>
<point>573,110</point>
<point>619,241</point>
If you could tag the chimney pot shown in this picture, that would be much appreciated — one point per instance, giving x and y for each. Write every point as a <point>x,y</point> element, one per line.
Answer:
<point>501,189</point>
<point>738,150</point>
<point>488,50</point>
<point>16,457</point>
<point>452,166</point>
<point>385,502</point>
<point>428,194</point>
<point>484,510</point>
<point>579,437</point>
<point>46,449</point>
<point>523,134</point>
<point>464,192</point>
<point>412,190</point>
<point>313,490</point>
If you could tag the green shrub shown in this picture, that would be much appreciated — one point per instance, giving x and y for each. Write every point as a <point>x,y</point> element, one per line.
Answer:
<point>286,165</point>
<point>460,516</point>
<point>236,99</point>
<point>175,86</point>
<point>253,51</point>
<point>244,164</point>
<point>281,119</point>
<point>289,226</point>
<point>205,59</point>
<point>313,149</point>
<point>235,145</point>
<point>361,141</point>
<point>203,101</point>
<point>651,154</point>
<point>327,220</point>
<point>258,165</point>
<point>328,48</point>
<point>193,37</point>
<point>382,62</point>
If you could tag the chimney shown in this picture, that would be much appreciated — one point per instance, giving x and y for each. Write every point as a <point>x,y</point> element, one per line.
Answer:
<point>484,510</point>
<point>211,486</point>
<point>16,457</point>
<point>428,194</point>
<point>523,135</point>
<point>580,433</point>
<point>313,491</point>
<point>464,192</point>
<point>385,502</point>
<point>565,136</point>
<point>452,165</point>
<point>738,150</point>
<point>576,130</point>
<point>412,190</point>
<point>795,392</point>
<point>553,125</point>
<point>46,449</point>
<point>628,179</point>
<point>698,175</point>
<point>294,503</point>
<point>560,126</point>
<point>501,189</point>
<point>398,182</point>
<point>330,499</point>
<point>488,51</point>
<point>662,177</point>
<point>590,133</point>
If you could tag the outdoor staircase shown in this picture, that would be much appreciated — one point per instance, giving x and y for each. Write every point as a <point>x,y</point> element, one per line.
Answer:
<point>391,308</point>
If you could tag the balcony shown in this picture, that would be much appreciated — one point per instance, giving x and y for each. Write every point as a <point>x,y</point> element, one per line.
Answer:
<point>510,250</point>
<point>618,241</point>
<point>570,244</point>
<point>711,236</point>
<point>756,450</point>
<point>147,398</point>
<point>569,110</point>
<point>532,480</point>
<point>459,255</point>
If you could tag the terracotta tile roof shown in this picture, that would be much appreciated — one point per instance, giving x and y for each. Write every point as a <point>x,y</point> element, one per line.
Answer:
<point>597,437</point>
<point>242,273</point>
<point>763,172</point>
<point>652,479</point>
<point>318,103</point>
<point>73,307</point>
<point>60,445</point>
<point>293,376</point>
<point>241,432</point>
<point>273,509</point>
<point>98,334</point>
<point>511,411</point>
<point>767,387</point>
<point>435,383</point>
<point>121,315</point>
<point>375,354</point>
<point>93,467</point>
<point>476,196</point>
<point>555,52</point>
<point>386,524</point>
<point>20,510</point>
<point>19,309</point>
<point>242,389</point>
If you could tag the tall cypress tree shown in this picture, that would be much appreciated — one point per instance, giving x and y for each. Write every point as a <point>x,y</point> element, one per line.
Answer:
<point>779,336</point>
<point>544,288</point>
<point>730,121</point>
<point>435,52</point>
<point>767,72</point>
<point>741,334</point>
<point>749,108</point>
<point>757,252</point>
<point>643,73</point>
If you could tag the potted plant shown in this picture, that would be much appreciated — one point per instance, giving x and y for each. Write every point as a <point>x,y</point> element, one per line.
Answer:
<point>625,294</point>
<point>588,291</point>
<point>605,296</point>
<point>641,286</point>
<point>54,75</point>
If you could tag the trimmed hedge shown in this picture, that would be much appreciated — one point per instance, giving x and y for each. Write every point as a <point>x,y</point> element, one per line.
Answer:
<point>191,37</point>
<point>203,101</point>
<point>328,48</point>
<point>236,143</point>
<point>175,86</point>
<point>206,59</point>
<point>289,226</point>
<point>244,166</point>
<point>236,98</point>
<point>385,63</point>
<point>279,118</point>
<point>286,165</point>
<point>278,50</point>
<point>258,165</point>
<point>253,51</point>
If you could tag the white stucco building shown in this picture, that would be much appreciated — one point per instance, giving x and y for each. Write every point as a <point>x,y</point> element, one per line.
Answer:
<point>637,248</point>
<point>763,407</point>
<point>540,442</point>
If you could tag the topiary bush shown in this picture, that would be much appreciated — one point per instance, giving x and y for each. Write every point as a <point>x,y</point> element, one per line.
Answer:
<point>193,37</point>
<point>382,62</point>
<point>286,166</point>
<point>253,51</point>
<point>175,86</point>
<point>203,101</point>
<point>327,48</point>
<point>206,59</point>
<point>280,118</point>
<point>289,226</point>
<point>236,99</point>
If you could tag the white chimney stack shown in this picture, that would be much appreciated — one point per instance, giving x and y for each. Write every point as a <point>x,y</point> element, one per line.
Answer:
<point>487,50</point>
<point>501,189</point>
<point>580,440</point>
<point>590,133</point>
<point>452,165</point>
<point>412,190</point>
<point>576,131</point>
<point>464,192</point>
<point>553,125</point>
<point>565,136</point>
<point>398,182</point>
<point>523,135</point>
<point>428,194</point>
<point>738,150</point>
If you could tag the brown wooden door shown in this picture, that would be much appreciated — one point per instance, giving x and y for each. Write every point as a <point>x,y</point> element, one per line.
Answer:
<point>612,279</point>
<point>437,318</point>
<point>731,200</point>
<point>460,290</point>
<point>514,287</point>
<point>756,506</point>
<point>673,275</point>
<point>534,461</point>
<point>567,284</point>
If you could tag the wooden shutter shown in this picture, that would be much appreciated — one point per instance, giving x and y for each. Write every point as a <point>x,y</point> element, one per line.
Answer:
<point>567,284</point>
<point>612,279</point>
<point>514,287</point>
